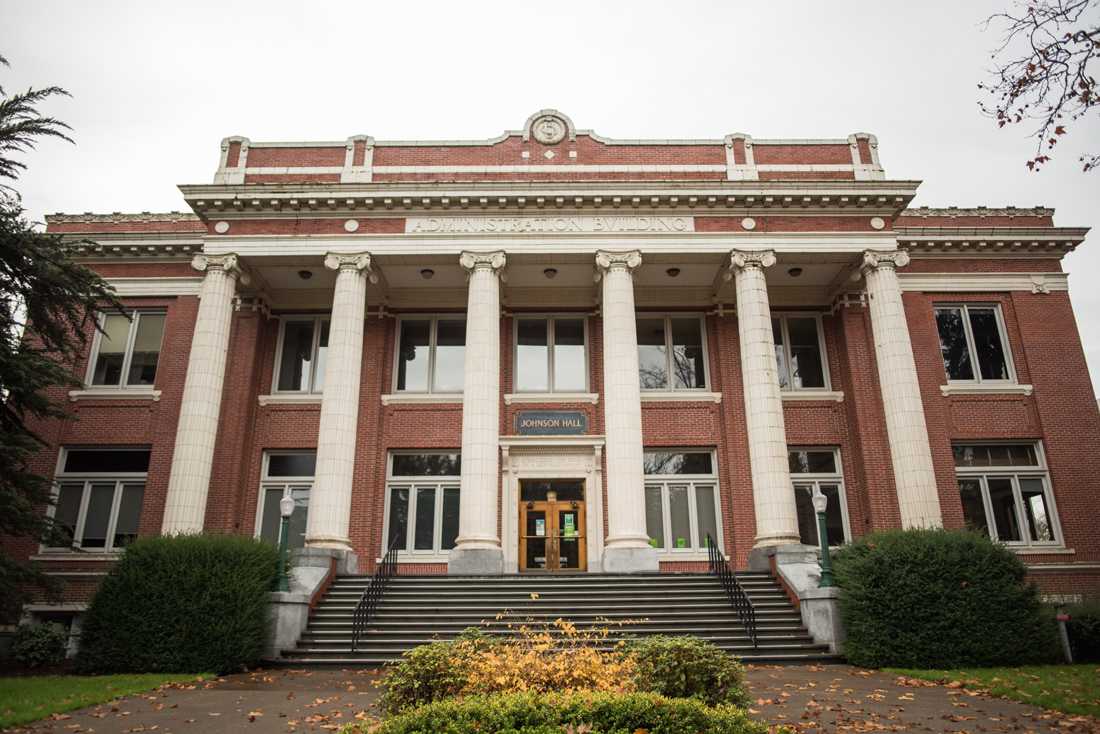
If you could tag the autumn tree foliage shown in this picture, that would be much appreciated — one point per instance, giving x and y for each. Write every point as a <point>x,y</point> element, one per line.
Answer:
<point>1044,70</point>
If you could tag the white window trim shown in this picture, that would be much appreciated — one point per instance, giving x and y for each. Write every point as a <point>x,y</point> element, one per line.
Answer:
<point>1002,333</point>
<point>88,478</point>
<point>1015,473</point>
<point>825,391</point>
<point>314,347</point>
<point>668,316</point>
<point>819,478</point>
<point>551,339</point>
<point>287,483</point>
<point>669,553</point>
<point>433,320</point>
<point>91,390</point>
<point>441,483</point>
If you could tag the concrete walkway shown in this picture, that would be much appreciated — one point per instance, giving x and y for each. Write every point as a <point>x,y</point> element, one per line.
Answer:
<point>818,698</point>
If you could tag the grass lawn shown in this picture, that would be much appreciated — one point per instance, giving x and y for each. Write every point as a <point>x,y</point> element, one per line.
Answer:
<point>1072,689</point>
<point>31,698</point>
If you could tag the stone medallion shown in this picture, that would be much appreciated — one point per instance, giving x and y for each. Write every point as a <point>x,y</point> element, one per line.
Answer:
<point>549,129</point>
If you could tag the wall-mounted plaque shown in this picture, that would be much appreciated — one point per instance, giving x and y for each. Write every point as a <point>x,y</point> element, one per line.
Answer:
<point>551,423</point>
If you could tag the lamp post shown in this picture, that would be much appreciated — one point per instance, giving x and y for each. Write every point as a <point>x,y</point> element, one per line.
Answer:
<point>286,509</point>
<point>821,502</point>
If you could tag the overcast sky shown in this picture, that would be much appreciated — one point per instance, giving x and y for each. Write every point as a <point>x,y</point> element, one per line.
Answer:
<point>156,85</point>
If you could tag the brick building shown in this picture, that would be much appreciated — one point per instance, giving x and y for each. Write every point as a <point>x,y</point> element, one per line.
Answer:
<point>551,350</point>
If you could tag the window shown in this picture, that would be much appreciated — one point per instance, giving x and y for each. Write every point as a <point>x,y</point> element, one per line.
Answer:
<point>972,343</point>
<point>127,350</point>
<point>671,355</point>
<point>285,474</point>
<point>422,502</point>
<point>431,354</point>
<point>1005,492</point>
<point>550,355</point>
<point>816,471</point>
<point>681,500</point>
<point>98,497</point>
<point>799,350</point>
<point>303,344</point>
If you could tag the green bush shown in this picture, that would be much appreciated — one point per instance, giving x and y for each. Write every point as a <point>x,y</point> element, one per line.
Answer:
<point>938,599</point>
<point>687,667</point>
<point>35,645</point>
<point>180,604</point>
<point>555,713</point>
<point>1084,631</point>
<point>424,674</point>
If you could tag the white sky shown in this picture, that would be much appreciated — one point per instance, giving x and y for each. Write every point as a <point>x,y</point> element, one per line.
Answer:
<point>156,85</point>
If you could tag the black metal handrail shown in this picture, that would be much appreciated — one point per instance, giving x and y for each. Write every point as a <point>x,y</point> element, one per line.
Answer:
<point>372,595</point>
<point>739,600</point>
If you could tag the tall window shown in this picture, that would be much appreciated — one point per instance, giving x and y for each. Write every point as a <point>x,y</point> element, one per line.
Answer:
<point>550,355</point>
<point>128,350</point>
<point>681,500</point>
<point>303,344</point>
<point>973,344</point>
<point>799,352</point>
<point>1005,492</point>
<point>671,355</point>
<point>422,502</point>
<point>99,496</point>
<point>286,473</point>
<point>816,471</point>
<point>431,354</point>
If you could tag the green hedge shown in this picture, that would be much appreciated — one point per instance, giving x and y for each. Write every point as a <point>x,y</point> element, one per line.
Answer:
<point>35,645</point>
<point>591,713</point>
<point>181,604</point>
<point>938,599</point>
<point>687,667</point>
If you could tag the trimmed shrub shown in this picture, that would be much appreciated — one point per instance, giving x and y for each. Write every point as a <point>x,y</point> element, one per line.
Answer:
<point>687,667</point>
<point>1084,631</point>
<point>181,604</point>
<point>35,645</point>
<point>555,713</point>
<point>938,599</point>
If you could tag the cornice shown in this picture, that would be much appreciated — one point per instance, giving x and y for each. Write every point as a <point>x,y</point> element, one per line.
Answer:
<point>978,211</point>
<point>986,241</point>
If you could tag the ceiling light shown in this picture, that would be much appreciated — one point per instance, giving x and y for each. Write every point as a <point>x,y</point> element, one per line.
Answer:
<point>305,274</point>
<point>794,272</point>
<point>550,273</point>
<point>427,273</point>
<point>672,272</point>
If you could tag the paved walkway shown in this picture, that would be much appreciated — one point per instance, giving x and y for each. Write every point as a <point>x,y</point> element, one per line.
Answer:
<point>819,698</point>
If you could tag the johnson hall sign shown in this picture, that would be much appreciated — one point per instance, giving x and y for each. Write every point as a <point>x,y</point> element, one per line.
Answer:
<point>547,225</point>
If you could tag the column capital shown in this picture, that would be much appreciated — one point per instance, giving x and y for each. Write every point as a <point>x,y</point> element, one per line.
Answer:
<point>606,260</point>
<point>357,261</point>
<point>471,260</point>
<point>745,259</point>
<point>877,259</point>
<point>229,263</point>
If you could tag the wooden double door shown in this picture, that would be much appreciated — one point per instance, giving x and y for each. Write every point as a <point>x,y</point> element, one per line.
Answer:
<point>552,526</point>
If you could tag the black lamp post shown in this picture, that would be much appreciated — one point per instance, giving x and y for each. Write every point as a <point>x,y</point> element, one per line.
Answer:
<point>821,502</point>
<point>286,509</point>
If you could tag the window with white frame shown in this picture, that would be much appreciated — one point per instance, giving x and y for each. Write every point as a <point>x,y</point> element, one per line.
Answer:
<point>813,471</point>
<point>98,497</point>
<point>285,474</point>
<point>126,350</point>
<point>550,354</point>
<point>671,352</point>
<point>681,500</point>
<point>303,344</point>
<point>431,354</point>
<point>973,343</point>
<point>1005,491</point>
<point>422,492</point>
<point>800,352</point>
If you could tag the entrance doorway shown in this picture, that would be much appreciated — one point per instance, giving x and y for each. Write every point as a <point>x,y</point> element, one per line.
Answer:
<point>552,525</point>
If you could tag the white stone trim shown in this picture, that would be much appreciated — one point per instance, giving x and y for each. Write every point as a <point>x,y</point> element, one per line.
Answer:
<point>1038,282</point>
<point>421,398</point>
<point>114,394</point>
<point>288,398</point>
<point>817,167</point>
<point>151,286</point>
<point>536,168</point>
<point>1063,567</point>
<point>66,555</point>
<point>1039,551</point>
<point>681,396</point>
<point>984,389</point>
<point>546,441</point>
<point>551,397</point>
<point>794,396</point>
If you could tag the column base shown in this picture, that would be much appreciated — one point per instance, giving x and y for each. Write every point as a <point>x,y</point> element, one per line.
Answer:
<point>475,562</point>
<point>329,543</point>
<point>630,560</point>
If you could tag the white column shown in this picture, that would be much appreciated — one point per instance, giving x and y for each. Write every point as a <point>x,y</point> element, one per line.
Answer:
<point>914,475</point>
<point>477,549</point>
<point>772,493</point>
<point>627,549</point>
<point>197,430</point>
<point>330,499</point>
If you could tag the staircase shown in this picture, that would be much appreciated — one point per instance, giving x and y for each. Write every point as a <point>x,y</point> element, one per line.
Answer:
<point>419,609</point>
